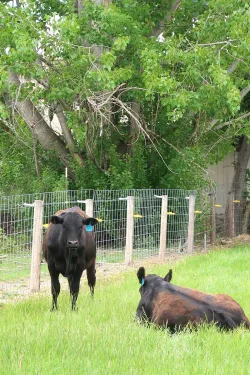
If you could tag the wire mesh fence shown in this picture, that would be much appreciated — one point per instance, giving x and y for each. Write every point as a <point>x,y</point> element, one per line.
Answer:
<point>215,215</point>
<point>111,208</point>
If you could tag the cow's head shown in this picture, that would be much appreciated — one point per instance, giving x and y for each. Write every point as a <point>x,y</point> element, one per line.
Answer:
<point>141,274</point>
<point>73,225</point>
<point>149,287</point>
<point>72,234</point>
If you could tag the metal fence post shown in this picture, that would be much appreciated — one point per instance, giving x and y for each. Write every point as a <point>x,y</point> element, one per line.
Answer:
<point>190,241</point>
<point>230,215</point>
<point>36,247</point>
<point>212,219</point>
<point>129,230</point>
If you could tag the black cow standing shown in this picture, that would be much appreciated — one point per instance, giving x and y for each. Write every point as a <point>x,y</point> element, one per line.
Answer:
<point>172,306</point>
<point>69,248</point>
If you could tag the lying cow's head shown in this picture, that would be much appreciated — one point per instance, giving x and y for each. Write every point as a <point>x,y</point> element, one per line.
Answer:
<point>142,278</point>
<point>73,224</point>
<point>148,289</point>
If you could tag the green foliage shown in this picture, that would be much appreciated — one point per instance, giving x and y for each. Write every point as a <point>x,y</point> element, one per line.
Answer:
<point>181,84</point>
<point>18,170</point>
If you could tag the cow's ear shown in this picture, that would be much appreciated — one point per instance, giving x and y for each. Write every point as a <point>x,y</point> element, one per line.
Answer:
<point>56,219</point>
<point>141,275</point>
<point>168,277</point>
<point>89,221</point>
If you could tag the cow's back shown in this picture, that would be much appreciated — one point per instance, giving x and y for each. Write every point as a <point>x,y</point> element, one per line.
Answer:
<point>176,305</point>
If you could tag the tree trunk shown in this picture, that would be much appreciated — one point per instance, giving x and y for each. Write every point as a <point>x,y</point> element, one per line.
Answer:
<point>68,136</point>
<point>238,184</point>
<point>39,127</point>
<point>134,127</point>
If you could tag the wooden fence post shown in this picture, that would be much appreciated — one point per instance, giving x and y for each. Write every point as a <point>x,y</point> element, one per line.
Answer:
<point>190,241</point>
<point>129,230</point>
<point>164,220</point>
<point>89,207</point>
<point>36,247</point>
<point>230,215</point>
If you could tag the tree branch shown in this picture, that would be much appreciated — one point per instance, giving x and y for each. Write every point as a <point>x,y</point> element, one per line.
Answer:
<point>213,121</point>
<point>233,67</point>
<point>67,134</point>
<point>215,43</point>
<point>91,155</point>
<point>34,120</point>
<point>63,122</point>
<point>170,13</point>
<point>244,91</point>
<point>231,122</point>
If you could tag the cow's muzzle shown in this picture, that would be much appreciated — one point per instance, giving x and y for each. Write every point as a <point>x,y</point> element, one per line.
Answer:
<point>72,244</point>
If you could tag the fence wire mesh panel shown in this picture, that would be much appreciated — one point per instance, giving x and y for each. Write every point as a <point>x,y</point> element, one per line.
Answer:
<point>16,225</point>
<point>110,207</point>
<point>147,221</point>
<point>202,233</point>
<point>178,217</point>
<point>16,229</point>
<point>231,210</point>
<point>221,214</point>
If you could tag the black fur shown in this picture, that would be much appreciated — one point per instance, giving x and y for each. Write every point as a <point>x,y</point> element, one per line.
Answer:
<point>69,249</point>
<point>168,277</point>
<point>141,274</point>
<point>175,307</point>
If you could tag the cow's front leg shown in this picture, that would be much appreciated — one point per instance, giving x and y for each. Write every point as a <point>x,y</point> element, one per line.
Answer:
<point>91,277</point>
<point>74,286</point>
<point>55,286</point>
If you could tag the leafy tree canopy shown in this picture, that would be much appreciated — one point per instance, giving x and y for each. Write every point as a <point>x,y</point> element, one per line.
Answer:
<point>124,94</point>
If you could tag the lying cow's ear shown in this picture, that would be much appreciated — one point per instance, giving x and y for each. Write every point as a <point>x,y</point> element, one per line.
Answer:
<point>141,275</point>
<point>56,219</point>
<point>89,221</point>
<point>168,277</point>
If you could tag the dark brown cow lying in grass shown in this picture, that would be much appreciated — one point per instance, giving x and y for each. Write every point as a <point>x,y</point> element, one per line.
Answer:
<point>168,305</point>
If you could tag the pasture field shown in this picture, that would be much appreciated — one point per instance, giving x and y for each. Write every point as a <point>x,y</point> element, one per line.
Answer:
<point>102,337</point>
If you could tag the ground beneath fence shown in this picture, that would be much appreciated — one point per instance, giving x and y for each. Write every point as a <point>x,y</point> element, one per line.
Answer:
<point>19,289</point>
<point>222,243</point>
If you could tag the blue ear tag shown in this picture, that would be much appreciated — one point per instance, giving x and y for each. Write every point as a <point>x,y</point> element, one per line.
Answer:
<point>142,281</point>
<point>89,228</point>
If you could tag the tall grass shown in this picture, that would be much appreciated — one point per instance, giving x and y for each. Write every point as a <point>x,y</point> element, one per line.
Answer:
<point>102,337</point>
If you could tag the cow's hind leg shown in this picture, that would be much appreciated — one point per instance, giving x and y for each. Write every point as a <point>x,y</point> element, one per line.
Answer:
<point>55,286</point>
<point>91,277</point>
<point>227,322</point>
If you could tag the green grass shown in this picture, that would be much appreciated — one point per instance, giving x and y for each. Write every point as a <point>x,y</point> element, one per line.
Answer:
<point>9,271</point>
<point>103,338</point>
